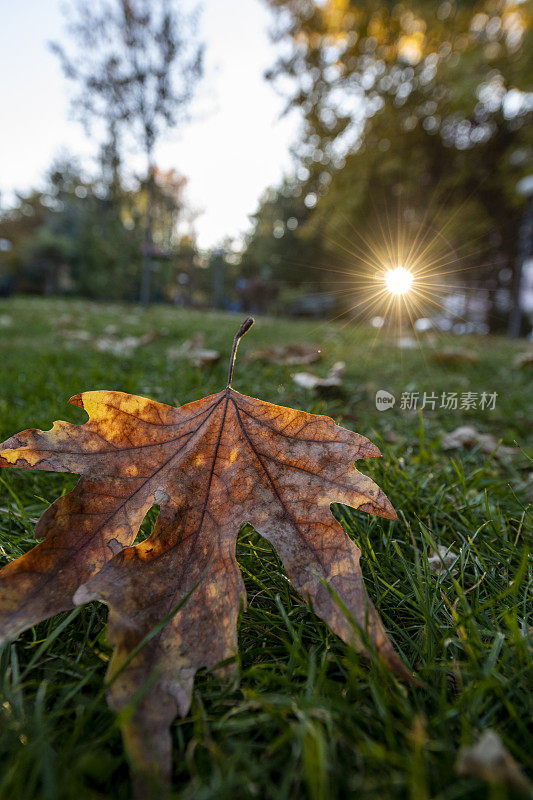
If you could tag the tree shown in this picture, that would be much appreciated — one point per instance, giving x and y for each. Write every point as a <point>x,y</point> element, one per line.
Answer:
<point>459,69</point>
<point>407,105</point>
<point>19,224</point>
<point>136,66</point>
<point>69,237</point>
<point>275,250</point>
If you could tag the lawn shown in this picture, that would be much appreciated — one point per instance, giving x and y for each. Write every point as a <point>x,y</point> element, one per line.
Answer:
<point>309,718</point>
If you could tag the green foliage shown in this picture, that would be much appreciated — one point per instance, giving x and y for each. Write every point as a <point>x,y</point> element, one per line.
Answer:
<point>275,250</point>
<point>310,719</point>
<point>76,237</point>
<point>415,119</point>
<point>447,68</point>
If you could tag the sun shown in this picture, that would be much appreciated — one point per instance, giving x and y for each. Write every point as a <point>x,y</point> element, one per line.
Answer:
<point>398,280</point>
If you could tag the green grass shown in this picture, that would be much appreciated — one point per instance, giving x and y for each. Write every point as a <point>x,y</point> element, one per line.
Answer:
<point>309,718</point>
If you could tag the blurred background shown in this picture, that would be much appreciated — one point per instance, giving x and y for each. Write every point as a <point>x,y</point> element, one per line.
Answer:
<point>317,158</point>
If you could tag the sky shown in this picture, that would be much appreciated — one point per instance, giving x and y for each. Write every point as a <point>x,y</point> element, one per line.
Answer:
<point>236,146</point>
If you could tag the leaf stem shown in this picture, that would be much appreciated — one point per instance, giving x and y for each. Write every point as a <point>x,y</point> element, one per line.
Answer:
<point>245,327</point>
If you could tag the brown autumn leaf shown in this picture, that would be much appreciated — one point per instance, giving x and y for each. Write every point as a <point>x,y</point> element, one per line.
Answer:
<point>491,761</point>
<point>194,351</point>
<point>123,346</point>
<point>469,437</point>
<point>290,354</point>
<point>454,357</point>
<point>333,380</point>
<point>211,466</point>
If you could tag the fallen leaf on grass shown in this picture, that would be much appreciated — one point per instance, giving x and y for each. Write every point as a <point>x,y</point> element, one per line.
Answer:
<point>65,321</point>
<point>469,437</point>
<point>291,354</point>
<point>490,760</point>
<point>523,360</point>
<point>210,466</point>
<point>454,357</point>
<point>193,350</point>
<point>440,560</point>
<point>124,346</point>
<point>407,343</point>
<point>77,335</point>
<point>333,380</point>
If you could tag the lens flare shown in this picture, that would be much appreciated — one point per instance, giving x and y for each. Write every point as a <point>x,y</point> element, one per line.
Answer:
<point>397,271</point>
<point>398,280</point>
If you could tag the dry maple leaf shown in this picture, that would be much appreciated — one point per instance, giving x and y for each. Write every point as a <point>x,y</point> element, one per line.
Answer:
<point>289,354</point>
<point>211,466</point>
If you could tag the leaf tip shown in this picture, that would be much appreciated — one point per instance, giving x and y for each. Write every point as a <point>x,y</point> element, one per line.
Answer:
<point>372,451</point>
<point>82,595</point>
<point>77,400</point>
<point>381,506</point>
<point>397,666</point>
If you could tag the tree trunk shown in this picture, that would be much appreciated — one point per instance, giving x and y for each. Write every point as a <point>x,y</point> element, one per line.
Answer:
<point>148,244</point>
<point>525,250</point>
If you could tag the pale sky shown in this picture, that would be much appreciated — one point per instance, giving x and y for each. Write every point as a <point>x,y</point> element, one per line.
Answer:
<point>235,148</point>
